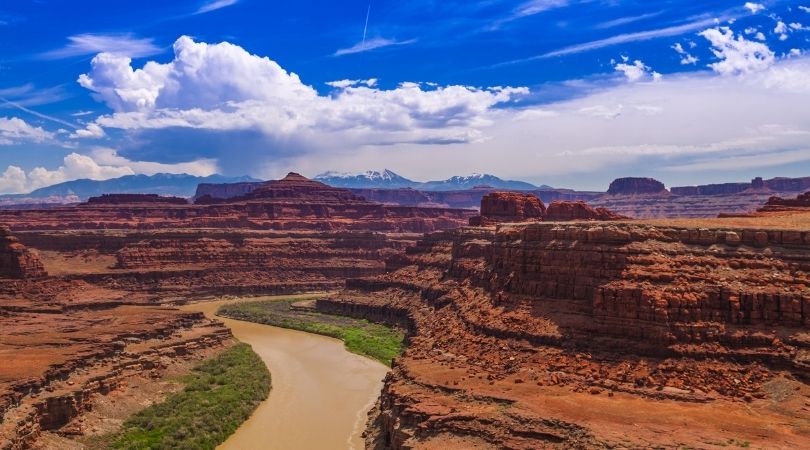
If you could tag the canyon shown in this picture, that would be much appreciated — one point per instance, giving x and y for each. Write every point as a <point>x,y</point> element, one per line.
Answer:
<point>635,197</point>
<point>596,335</point>
<point>532,322</point>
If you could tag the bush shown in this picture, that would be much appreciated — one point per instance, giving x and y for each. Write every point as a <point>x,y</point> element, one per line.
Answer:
<point>219,395</point>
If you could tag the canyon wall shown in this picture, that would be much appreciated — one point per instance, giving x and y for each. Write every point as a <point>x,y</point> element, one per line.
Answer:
<point>516,329</point>
<point>293,203</point>
<point>16,261</point>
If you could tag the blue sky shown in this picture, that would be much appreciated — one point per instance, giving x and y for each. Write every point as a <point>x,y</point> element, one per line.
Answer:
<point>563,92</point>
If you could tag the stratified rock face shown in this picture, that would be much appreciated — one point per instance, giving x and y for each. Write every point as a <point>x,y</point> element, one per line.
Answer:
<point>567,211</point>
<point>498,207</point>
<point>126,199</point>
<point>635,186</point>
<point>293,203</point>
<point>16,261</point>
<point>802,201</point>
<point>592,335</point>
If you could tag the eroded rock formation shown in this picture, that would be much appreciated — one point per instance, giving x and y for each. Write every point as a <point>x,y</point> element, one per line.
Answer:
<point>293,203</point>
<point>16,261</point>
<point>636,186</point>
<point>499,207</point>
<point>127,199</point>
<point>801,202</point>
<point>516,329</point>
<point>506,207</point>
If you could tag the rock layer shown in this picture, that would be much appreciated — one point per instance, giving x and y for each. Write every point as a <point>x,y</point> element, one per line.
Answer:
<point>16,261</point>
<point>293,203</point>
<point>514,330</point>
<point>506,207</point>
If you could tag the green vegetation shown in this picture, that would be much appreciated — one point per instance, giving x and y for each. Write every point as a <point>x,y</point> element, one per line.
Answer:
<point>360,336</point>
<point>219,395</point>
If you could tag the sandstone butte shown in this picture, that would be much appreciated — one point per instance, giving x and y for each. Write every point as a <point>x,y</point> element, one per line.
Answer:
<point>504,207</point>
<point>526,332</point>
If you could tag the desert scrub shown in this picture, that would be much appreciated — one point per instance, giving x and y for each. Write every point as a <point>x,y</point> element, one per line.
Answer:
<point>376,341</point>
<point>219,394</point>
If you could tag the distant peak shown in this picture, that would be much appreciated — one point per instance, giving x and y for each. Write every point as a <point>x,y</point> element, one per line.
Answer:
<point>292,176</point>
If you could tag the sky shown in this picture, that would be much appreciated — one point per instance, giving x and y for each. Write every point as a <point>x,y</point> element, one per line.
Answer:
<point>569,93</point>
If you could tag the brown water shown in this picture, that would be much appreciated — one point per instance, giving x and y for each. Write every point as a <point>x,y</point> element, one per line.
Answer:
<point>321,393</point>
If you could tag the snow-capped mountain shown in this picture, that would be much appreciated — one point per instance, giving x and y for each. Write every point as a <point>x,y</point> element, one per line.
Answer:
<point>476,179</point>
<point>390,180</point>
<point>367,179</point>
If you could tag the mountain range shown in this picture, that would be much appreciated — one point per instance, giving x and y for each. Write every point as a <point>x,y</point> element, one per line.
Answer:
<point>180,185</point>
<point>388,179</point>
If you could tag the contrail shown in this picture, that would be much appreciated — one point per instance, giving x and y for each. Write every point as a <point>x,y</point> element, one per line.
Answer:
<point>365,27</point>
<point>38,114</point>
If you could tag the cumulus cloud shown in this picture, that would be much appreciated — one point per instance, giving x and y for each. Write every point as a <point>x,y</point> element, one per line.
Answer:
<point>737,55</point>
<point>14,130</point>
<point>754,7</point>
<point>782,30</point>
<point>686,57</point>
<point>125,44</point>
<point>248,108</point>
<point>702,121</point>
<point>636,71</point>
<point>342,84</point>
<point>223,87</point>
<point>101,164</point>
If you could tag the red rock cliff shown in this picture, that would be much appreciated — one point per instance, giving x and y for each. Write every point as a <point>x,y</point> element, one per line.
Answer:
<point>16,261</point>
<point>581,335</point>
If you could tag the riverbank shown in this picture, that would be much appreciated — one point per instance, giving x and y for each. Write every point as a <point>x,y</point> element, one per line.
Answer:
<point>321,392</point>
<point>218,396</point>
<point>379,342</point>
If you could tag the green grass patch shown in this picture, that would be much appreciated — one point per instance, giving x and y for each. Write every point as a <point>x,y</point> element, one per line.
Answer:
<point>373,340</point>
<point>219,394</point>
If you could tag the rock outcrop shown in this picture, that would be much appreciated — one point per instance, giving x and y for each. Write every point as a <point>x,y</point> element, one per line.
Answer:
<point>128,199</point>
<point>579,210</point>
<point>636,186</point>
<point>515,329</point>
<point>16,261</point>
<point>512,207</point>
<point>801,202</point>
<point>499,207</point>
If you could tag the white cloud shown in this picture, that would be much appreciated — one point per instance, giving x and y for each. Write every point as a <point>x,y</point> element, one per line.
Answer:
<point>737,55</point>
<point>632,128</point>
<point>125,44</point>
<point>223,87</point>
<point>805,9</point>
<point>14,130</point>
<point>637,71</point>
<point>759,36</point>
<point>686,58</point>
<point>781,29</point>
<point>92,130</point>
<point>626,128</point>
<point>754,7</point>
<point>625,38</point>
<point>215,5</point>
<point>102,164</point>
<point>372,44</point>
<point>529,8</point>
<point>342,84</point>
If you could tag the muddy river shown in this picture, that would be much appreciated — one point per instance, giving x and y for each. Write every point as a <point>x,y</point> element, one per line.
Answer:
<point>321,393</point>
